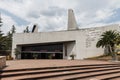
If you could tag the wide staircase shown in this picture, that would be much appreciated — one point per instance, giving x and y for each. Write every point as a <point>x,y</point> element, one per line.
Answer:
<point>75,72</point>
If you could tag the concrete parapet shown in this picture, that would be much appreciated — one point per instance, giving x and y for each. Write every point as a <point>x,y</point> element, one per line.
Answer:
<point>2,61</point>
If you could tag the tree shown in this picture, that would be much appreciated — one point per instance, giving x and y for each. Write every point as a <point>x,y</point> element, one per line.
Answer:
<point>108,40</point>
<point>2,42</point>
<point>13,30</point>
<point>26,30</point>
<point>2,38</point>
<point>117,42</point>
<point>17,52</point>
<point>9,38</point>
<point>9,41</point>
<point>0,20</point>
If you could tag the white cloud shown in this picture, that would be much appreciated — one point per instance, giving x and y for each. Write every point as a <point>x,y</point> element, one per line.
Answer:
<point>8,22</point>
<point>52,14</point>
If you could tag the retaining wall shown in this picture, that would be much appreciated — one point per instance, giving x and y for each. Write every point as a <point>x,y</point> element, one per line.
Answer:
<point>2,61</point>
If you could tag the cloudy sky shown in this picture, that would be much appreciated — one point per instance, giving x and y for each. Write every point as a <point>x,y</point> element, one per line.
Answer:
<point>51,15</point>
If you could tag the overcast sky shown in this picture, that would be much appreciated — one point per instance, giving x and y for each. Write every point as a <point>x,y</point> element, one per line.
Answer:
<point>51,15</point>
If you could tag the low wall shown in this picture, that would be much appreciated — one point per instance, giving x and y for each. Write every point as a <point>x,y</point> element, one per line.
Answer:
<point>2,61</point>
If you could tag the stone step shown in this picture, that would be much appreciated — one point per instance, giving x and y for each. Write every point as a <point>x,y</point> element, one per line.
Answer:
<point>72,74</point>
<point>113,77</point>
<point>27,69</point>
<point>66,74</point>
<point>96,74</point>
<point>104,75</point>
<point>20,73</point>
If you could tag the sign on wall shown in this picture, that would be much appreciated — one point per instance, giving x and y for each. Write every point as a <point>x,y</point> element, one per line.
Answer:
<point>91,36</point>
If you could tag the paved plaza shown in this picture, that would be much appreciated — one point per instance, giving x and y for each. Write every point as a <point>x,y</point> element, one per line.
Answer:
<point>61,70</point>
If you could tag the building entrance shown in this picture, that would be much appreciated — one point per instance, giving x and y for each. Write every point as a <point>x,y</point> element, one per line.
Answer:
<point>41,56</point>
<point>54,51</point>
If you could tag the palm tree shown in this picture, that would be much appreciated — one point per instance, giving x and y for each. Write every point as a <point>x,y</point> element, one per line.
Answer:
<point>108,40</point>
<point>117,42</point>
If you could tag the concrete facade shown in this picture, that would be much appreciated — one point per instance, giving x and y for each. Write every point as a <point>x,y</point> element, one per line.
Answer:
<point>81,42</point>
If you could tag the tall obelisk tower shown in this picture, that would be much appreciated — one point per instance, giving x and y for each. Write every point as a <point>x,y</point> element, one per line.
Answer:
<point>72,25</point>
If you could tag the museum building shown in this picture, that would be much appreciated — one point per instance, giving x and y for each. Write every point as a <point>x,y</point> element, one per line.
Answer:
<point>60,44</point>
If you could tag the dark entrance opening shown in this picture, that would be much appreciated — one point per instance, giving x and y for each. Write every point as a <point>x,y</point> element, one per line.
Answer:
<point>50,51</point>
<point>26,56</point>
<point>41,56</point>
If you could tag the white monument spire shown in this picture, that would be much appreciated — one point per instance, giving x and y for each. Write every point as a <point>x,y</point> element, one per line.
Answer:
<point>72,25</point>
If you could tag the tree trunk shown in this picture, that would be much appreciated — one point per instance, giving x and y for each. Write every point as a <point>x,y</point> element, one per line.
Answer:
<point>113,55</point>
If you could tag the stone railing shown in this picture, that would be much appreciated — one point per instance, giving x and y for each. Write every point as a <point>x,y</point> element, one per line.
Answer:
<point>2,61</point>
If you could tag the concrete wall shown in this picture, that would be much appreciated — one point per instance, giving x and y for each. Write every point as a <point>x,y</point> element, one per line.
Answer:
<point>44,37</point>
<point>86,45</point>
<point>83,45</point>
<point>2,61</point>
<point>71,49</point>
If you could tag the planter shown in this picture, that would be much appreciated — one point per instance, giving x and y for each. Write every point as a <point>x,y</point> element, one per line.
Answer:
<point>72,56</point>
